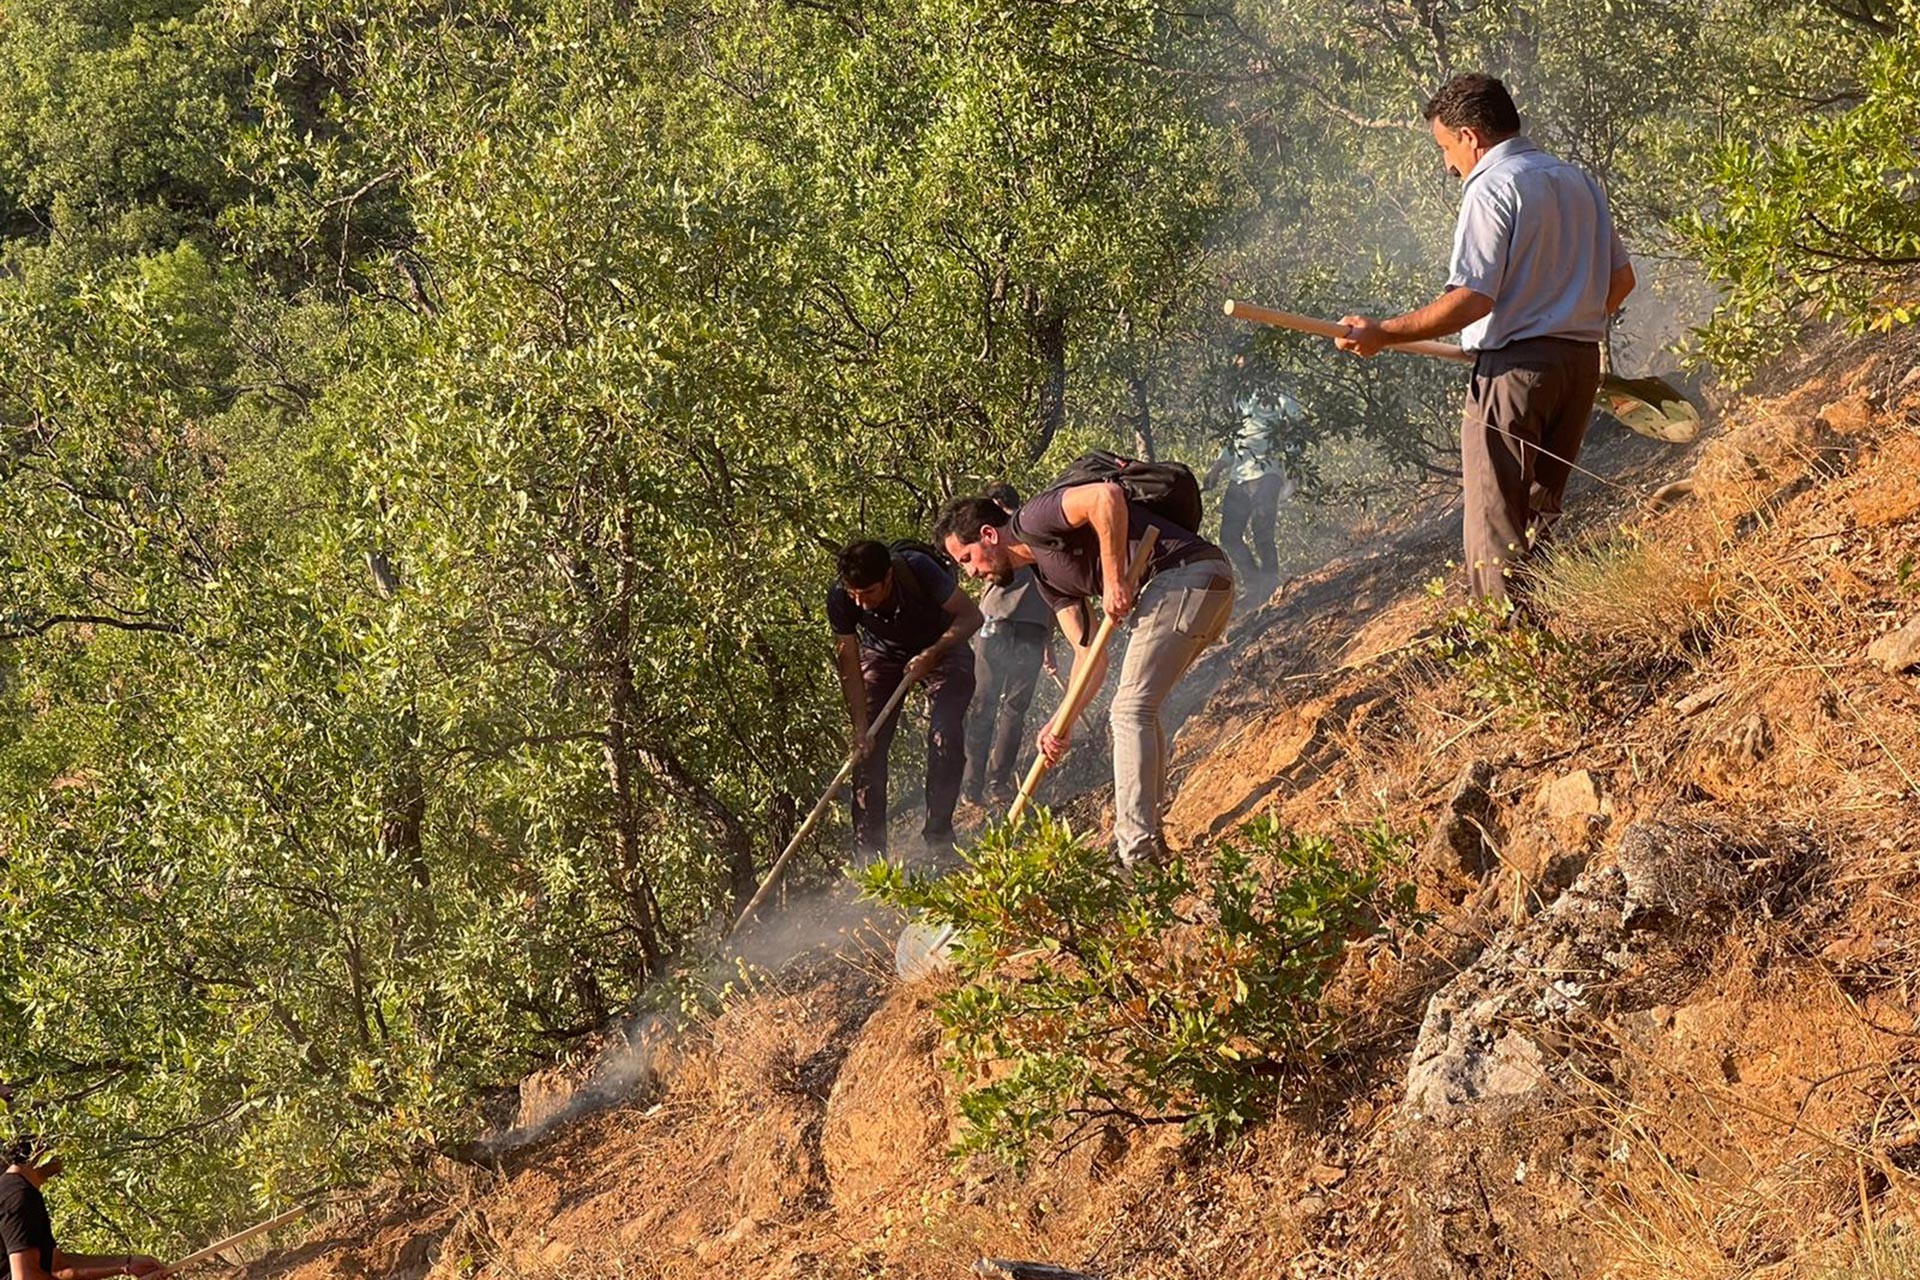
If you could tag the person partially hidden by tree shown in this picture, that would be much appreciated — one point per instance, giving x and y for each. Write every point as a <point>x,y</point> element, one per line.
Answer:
<point>1079,540</point>
<point>1537,269</point>
<point>899,615</point>
<point>26,1228</point>
<point>1257,481</point>
<point>1014,643</point>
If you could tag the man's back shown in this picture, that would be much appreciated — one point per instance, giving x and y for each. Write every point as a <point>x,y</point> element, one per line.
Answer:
<point>1534,234</point>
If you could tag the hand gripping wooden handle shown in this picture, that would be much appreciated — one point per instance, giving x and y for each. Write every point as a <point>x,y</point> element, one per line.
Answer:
<point>1075,699</point>
<point>1328,329</point>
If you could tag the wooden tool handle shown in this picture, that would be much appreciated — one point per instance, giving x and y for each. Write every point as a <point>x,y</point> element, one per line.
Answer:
<point>258,1229</point>
<point>819,810</point>
<point>1075,699</point>
<point>1328,329</point>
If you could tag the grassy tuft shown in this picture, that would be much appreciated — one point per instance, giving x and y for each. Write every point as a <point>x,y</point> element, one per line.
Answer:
<point>1629,591</point>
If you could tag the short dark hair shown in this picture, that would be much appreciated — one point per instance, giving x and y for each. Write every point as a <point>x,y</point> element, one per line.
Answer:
<point>1004,494</point>
<point>965,517</point>
<point>864,563</point>
<point>23,1148</point>
<point>1475,101</point>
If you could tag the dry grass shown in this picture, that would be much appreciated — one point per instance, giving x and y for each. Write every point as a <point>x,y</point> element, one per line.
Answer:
<point>1635,592</point>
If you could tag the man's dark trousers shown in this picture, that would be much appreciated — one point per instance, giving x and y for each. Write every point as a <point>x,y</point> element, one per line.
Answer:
<point>949,689</point>
<point>1525,418</point>
<point>1006,670</point>
<point>1252,506</point>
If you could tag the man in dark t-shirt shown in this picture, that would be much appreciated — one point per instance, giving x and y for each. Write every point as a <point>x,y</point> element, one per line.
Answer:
<point>898,615</point>
<point>1078,541</point>
<point>26,1229</point>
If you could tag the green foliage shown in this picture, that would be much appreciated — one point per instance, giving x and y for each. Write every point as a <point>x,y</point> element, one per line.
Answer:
<point>1820,219</point>
<point>1522,673</point>
<point>1190,993</point>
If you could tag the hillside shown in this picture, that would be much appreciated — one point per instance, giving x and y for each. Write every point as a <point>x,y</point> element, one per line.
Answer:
<point>1663,1024</point>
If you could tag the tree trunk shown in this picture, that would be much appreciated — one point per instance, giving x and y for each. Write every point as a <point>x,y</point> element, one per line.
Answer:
<point>403,811</point>
<point>633,882</point>
<point>1142,417</point>
<point>1046,326</point>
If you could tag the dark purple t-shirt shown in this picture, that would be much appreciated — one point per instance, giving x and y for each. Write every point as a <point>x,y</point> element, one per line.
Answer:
<point>1074,572</point>
<point>908,622</point>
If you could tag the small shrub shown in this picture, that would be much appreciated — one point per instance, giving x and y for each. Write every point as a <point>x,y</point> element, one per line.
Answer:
<point>1523,674</point>
<point>1174,995</point>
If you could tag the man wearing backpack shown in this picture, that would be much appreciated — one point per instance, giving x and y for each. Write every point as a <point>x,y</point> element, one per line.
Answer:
<point>896,615</point>
<point>1078,538</point>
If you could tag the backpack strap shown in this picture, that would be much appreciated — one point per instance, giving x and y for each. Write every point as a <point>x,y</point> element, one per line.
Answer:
<point>907,582</point>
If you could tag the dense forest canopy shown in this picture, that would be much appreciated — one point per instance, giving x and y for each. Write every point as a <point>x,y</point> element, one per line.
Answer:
<point>425,428</point>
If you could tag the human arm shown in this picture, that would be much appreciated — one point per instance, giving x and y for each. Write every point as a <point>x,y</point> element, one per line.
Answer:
<point>99,1266</point>
<point>1449,313</point>
<point>1103,508</point>
<point>963,619</point>
<point>1076,624</point>
<point>1218,468</point>
<point>853,691</point>
<point>1619,284</point>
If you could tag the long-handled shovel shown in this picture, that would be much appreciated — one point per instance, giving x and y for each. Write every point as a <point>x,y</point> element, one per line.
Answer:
<point>212,1250</point>
<point>1075,699</point>
<point>819,810</point>
<point>1647,406</point>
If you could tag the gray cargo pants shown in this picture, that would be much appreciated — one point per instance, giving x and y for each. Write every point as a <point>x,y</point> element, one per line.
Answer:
<point>1181,611</point>
<point>1528,405</point>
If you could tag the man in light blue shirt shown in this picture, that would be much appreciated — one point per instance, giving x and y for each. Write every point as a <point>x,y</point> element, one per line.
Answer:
<point>1537,270</point>
<point>1257,481</point>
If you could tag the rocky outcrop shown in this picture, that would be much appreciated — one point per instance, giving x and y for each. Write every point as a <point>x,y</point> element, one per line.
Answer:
<point>1508,1043</point>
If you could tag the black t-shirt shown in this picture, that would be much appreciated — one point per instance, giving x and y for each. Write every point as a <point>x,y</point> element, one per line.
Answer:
<point>1073,573</point>
<point>24,1224</point>
<point>909,621</point>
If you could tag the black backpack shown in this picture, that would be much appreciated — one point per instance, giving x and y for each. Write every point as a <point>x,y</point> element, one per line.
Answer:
<point>1168,489</point>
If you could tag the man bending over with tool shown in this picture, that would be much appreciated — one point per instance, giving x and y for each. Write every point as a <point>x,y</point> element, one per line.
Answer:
<point>26,1229</point>
<point>1079,541</point>
<point>898,615</point>
<point>1537,269</point>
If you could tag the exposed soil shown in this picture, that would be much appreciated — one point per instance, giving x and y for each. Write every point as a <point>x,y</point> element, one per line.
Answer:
<point>1673,961</point>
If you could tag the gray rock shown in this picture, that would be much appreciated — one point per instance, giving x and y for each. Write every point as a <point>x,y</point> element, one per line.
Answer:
<point>1898,651</point>
<point>1483,1033</point>
<point>1458,845</point>
<point>1498,1119</point>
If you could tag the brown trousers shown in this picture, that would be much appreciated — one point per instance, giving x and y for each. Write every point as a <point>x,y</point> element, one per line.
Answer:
<point>1528,405</point>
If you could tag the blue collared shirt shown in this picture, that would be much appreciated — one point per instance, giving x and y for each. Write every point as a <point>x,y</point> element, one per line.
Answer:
<point>1535,235</point>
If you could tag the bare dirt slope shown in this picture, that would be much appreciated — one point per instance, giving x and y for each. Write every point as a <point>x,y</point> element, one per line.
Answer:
<point>1665,1023</point>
